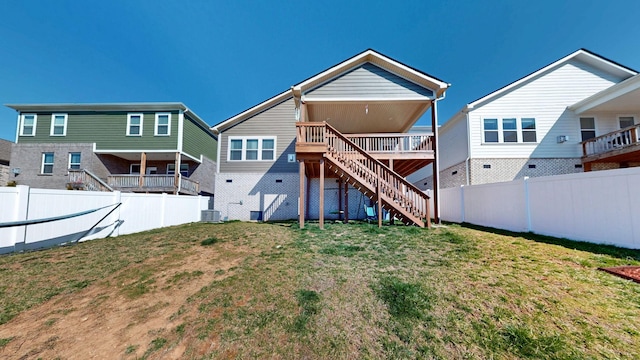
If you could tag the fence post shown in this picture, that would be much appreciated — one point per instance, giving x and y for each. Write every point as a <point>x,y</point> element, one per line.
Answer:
<point>21,213</point>
<point>462,209</point>
<point>527,207</point>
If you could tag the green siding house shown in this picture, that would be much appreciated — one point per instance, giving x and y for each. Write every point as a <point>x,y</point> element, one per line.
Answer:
<point>137,147</point>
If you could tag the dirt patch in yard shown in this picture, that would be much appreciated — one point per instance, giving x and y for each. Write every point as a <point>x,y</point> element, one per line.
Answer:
<point>110,319</point>
<point>626,272</point>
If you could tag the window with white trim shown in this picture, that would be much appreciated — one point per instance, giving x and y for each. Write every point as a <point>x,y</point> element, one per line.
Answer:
<point>587,128</point>
<point>163,124</point>
<point>491,130</point>
<point>58,125</point>
<point>28,124</point>
<point>254,148</point>
<point>509,130</point>
<point>134,169</point>
<point>528,130</point>
<point>74,160</point>
<point>134,124</point>
<point>626,121</point>
<point>184,169</point>
<point>47,163</point>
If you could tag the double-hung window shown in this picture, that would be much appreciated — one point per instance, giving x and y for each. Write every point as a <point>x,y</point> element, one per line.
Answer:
<point>163,124</point>
<point>626,121</point>
<point>184,169</point>
<point>74,160</point>
<point>58,125</point>
<point>509,130</point>
<point>28,124</point>
<point>491,130</point>
<point>258,148</point>
<point>587,128</point>
<point>134,124</point>
<point>528,130</point>
<point>47,163</point>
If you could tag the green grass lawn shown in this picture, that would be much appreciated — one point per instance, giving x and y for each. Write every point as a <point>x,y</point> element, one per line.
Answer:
<point>356,291</point>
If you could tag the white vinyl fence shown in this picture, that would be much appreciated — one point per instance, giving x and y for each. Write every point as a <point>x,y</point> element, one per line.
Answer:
<point>599,207</point>
<point>137,212</point>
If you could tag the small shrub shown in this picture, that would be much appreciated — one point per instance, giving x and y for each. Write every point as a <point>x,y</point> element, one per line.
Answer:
<point>12,183</point>
<point>4,342</point>
<point>210,241</point>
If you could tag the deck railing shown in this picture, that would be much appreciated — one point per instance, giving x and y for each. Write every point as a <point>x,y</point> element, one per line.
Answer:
<point>82,179</point>
<point>393,143</point>
<point>314,133</point>
<point>153,182</point>
<point>614,140</point>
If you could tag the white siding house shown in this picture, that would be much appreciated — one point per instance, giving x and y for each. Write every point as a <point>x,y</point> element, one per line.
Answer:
<point>526,128</point>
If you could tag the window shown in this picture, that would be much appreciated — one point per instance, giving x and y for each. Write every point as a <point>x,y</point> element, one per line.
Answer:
<point>28,124</point>
<point>74,160</point>
<point>587,128</point>
<point>184,169</point>
<point>528,130</point>
<point>134,169</point>
<point>491,130</point>
<point>134,125</point>
<point>510,130</point>
<point>58,124</point>
<point>626,121</point>
<point>163,124</point>
<point>252,148</point>
<point>47,163</point>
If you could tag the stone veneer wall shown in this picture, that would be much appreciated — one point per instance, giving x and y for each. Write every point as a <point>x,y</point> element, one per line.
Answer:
<point>499,170</point>
<point>506,170</point>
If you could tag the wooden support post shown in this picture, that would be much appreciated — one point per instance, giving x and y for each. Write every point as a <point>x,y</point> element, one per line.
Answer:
<point>378,195</point>
<point>391,164</point>
<point>301,206</point>
<point>143,168</point>
<point>586,167</point>
<point>346,202</point>
<point>340,199</point>
<point>176,179</point>
<point>308,198</point>
<point>321,207</point>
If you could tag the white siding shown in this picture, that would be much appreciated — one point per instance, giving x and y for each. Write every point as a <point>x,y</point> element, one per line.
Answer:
<point>452,142</point>
<point>545,98</point>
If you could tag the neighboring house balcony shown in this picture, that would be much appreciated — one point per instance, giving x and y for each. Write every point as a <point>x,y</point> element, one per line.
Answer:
<point>85,180</point>
<point>620,146</point>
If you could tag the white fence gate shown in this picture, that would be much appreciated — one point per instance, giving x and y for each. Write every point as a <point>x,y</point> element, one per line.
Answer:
<point>599,207</point>
<point>137,212</point>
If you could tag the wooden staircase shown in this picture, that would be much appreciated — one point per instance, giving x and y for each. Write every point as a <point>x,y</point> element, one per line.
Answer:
<point>368,175</point>
<point>83,179</point>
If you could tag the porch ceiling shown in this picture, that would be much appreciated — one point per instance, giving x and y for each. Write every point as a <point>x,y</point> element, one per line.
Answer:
<point>368,116</point>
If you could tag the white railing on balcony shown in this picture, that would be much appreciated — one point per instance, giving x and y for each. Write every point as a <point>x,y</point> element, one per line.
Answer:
<point>614,140</point>
<point>393,143</point>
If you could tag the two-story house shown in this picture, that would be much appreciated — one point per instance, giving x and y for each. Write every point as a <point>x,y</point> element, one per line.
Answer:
<point>331,145</point>
<point>575,114</point>
<point>134,147</point>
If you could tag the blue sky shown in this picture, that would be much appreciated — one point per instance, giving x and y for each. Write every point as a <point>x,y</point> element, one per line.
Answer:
<point>222,57</point>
